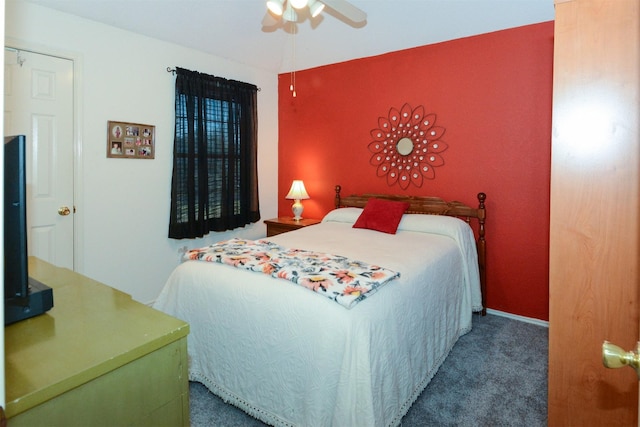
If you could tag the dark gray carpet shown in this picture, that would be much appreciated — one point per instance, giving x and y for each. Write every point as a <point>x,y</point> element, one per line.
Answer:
<point>496,375</point>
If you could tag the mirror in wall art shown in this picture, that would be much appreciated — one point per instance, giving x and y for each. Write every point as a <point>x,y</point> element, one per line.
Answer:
<point>404,147</point>
<point>407,146</point>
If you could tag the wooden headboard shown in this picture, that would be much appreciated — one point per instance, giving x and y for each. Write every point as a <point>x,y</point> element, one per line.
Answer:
<point>436,206</point>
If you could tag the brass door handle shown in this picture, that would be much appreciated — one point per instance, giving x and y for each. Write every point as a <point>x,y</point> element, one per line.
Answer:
<point>615,357</point>
<point>64,211</point>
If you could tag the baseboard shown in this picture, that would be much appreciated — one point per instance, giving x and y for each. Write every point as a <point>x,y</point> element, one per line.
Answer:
<point>520,318</point>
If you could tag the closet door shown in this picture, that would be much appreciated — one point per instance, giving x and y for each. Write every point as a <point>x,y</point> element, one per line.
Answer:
<point>594,256</point>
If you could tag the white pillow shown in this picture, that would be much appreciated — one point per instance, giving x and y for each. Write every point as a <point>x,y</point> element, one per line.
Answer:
<point>348,215</point>
<point>437,224</point>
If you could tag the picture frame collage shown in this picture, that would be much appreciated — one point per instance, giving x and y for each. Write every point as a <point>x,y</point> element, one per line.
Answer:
<point>130,140</point>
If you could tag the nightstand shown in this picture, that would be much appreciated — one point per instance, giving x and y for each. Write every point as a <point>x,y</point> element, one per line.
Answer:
<point>284,224</point>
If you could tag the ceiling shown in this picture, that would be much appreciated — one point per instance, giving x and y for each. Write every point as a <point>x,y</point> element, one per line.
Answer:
<point>232,29</point>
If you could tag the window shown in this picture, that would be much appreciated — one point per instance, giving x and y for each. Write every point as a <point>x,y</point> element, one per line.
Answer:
<point>215,180</point>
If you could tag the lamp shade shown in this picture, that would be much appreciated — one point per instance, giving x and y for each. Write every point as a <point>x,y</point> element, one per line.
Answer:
<point>315,7</point>
<point>297,191</point>
<point>289,13</point>
<point>276,6</point>
<point>298,4</point>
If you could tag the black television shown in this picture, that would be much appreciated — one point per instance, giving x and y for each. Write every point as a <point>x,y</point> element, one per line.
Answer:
<point>24,297</point>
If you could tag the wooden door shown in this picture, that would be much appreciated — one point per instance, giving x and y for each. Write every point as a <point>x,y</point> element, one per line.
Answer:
<point>38,94</point>
<point>595,235</point>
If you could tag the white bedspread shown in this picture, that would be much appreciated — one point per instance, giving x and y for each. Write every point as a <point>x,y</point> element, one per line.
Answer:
<point>289,356</point>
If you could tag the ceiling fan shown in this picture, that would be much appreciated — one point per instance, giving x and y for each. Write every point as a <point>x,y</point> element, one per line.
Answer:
<point>293,10</point>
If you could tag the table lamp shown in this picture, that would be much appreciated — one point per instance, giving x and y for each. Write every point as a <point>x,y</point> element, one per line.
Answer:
<point>297,193</point>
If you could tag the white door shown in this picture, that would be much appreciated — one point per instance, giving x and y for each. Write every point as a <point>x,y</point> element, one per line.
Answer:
<point>38,94</point>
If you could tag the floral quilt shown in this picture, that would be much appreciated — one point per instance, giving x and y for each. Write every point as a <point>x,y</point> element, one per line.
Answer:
<point>343,280</point>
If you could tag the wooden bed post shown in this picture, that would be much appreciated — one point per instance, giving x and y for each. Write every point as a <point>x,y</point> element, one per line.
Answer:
<point>337,199</point>
<point>482,251</point>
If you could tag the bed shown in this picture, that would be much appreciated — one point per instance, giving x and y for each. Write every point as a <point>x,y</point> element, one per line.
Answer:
<point>293,357</point>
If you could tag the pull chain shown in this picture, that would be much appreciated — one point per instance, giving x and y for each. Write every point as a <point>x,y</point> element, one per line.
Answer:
<point>292,84</point>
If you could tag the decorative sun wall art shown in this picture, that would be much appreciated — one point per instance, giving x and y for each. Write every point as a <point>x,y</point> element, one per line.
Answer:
<point>407,147</point>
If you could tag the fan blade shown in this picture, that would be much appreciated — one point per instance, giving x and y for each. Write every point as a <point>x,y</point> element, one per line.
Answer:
<point>346,9</point>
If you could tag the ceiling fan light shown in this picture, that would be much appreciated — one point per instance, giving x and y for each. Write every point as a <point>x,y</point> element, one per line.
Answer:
<point>298,4</point>
<point>315,7</point>
<point>276,6</point>
<point>289,14</point>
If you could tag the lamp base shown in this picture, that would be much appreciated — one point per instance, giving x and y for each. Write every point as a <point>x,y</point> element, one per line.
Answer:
<point>297,209</point>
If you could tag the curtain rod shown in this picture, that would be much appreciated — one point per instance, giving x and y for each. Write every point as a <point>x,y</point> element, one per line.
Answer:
<point>173,71</point>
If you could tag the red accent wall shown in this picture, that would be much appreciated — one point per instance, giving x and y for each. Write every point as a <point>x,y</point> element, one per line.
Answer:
<point>492,93</point>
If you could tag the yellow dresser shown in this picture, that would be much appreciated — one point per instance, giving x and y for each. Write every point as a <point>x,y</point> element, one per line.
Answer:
<point>97,358</point>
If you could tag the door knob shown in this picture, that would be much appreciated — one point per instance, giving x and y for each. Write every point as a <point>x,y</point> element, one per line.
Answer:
<point>615,357</point>
<point>64,211</point>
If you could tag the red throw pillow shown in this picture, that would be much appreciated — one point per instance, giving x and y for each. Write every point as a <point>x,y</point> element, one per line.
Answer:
<point>381,215</point>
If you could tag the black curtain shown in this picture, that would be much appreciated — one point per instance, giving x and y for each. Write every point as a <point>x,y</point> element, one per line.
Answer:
<point>215,172</point>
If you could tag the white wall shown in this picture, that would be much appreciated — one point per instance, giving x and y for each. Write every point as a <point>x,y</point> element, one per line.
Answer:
<point>123,204</point>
